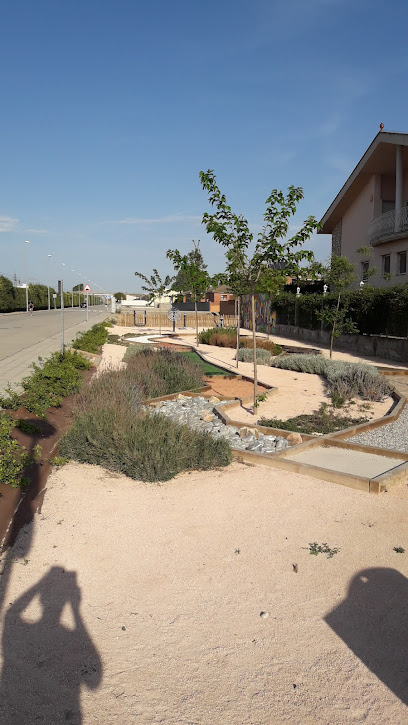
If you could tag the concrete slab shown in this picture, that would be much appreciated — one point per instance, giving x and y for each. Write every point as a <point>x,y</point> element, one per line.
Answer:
<point>357,463</point>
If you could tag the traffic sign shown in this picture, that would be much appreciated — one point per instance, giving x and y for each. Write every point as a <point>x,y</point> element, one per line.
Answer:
<point>87,288</point>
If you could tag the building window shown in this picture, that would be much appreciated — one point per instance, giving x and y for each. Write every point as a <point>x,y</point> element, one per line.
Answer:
<point>223,297</point>
<point>402,263</point>
<point>386,264</point>
<point>364,270</point>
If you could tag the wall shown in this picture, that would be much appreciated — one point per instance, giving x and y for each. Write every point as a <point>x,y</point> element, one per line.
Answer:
<point>356,222</point>
<point>389,348</point>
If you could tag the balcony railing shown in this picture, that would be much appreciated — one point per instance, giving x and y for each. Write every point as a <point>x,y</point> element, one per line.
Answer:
<point>388,226</point>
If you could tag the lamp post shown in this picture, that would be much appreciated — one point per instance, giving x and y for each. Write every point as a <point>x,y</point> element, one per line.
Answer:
<point>62,312</point>
<point>26,273</point>
<point>48,281</point>
<point>72,299</point>
<point>79,290</point>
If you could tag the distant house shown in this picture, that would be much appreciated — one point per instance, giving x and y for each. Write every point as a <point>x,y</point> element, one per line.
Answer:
<point>371,209</point>
<point>218,300</point>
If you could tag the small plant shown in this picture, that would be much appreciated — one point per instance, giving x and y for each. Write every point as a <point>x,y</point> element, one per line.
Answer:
<point>323,420</point>
<point>315,549</point>
<point>337,400</point>
<point>27,427</point>
<point>10,401</point>
<point>263,357</point>
<point>260,398</point>
<point>13,457</point>
<point>399,549</point>
<point>58,461</point>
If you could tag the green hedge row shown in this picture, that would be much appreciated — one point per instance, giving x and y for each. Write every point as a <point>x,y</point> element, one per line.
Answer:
<point>13,299</point>
<point>374,311</point>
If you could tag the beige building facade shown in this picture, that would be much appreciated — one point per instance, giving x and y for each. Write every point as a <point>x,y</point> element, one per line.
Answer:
<point>371,210</point>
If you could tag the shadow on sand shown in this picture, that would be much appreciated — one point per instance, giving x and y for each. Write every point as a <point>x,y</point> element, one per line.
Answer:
<point>45,661</point>
<point>373,623</point>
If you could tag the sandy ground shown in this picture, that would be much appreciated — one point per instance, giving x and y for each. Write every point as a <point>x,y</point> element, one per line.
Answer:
<point>197,602</point>
<point>135,603</point>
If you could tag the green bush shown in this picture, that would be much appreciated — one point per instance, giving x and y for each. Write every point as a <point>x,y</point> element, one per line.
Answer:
<point>221,336</point>
<point>263,357</point>
<point>322,421</point>
<point>374,311</point>
<point>152,448</point>
<point>13,457</point>
<point>91,340</point>
<point>49,383</point>
<point>345,379</point>
<point>261,344</point>
<point>161,372</point>
<point>109,429</point>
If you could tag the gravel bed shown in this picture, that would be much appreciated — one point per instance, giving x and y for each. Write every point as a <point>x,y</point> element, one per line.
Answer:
<point>393,436</point>
<point>198,414</point>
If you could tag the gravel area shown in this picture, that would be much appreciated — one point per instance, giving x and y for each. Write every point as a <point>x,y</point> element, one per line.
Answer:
<point>198,414</point>
<point>393,436</point>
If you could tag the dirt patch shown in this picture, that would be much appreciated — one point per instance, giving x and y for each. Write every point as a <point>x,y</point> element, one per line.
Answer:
<point>232,387</point>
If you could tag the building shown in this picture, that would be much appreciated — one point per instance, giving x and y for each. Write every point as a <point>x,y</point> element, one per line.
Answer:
<point>371,210</point>
<point>219,301</point>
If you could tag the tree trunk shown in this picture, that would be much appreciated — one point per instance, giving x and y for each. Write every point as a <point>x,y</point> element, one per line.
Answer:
<point>238,323</point>
<point>268,317</point>
<point>196,318</point>
<point>254,349</point>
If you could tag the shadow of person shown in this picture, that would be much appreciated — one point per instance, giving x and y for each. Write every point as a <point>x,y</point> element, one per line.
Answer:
<point>373,623</point>
<point>45,662</point>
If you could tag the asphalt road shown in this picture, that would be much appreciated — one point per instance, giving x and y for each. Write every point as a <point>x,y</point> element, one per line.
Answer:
<point>23,338</point>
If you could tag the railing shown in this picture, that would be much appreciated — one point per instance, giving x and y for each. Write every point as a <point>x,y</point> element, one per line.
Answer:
<point>388,225</point>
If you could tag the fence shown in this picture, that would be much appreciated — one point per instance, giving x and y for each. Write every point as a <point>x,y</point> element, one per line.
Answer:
<point>141,318</point>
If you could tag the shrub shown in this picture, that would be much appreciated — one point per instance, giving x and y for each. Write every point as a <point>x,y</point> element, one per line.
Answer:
<point>221,336</point>
<point>152,448</point>
<point>13,457</point>
<point>161,372</point>
<point>110,430</point>
<point>263,357</point>
<point>322,420</point>
<point>134,348</point>
<point>91,340</point>
<point>49,383</point>
<point>345,379</point>
<point>261,344</point>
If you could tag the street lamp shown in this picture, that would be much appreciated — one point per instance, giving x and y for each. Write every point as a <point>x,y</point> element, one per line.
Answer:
<point>48,280</point>
<point>72,291</point>
<point>26,273</point>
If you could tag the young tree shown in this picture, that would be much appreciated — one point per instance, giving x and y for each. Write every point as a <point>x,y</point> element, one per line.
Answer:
<point>195,277</point>
<point>272,249</point>
<point>155,287</point>
<point>119,296</point>
<point>339,274</point>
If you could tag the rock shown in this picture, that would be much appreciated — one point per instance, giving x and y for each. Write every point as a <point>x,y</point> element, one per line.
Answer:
<point>182,397</point>
<point>281,444</point>
<point>244,432</point>
<point>214,400</point>
<point>294,439</point>
<point>207,417</point>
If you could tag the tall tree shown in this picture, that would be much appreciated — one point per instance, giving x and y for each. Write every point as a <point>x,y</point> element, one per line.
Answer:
<point>272,248</point>
<point>195,277</point>
<point>156,287</point>
<point>195,257</point>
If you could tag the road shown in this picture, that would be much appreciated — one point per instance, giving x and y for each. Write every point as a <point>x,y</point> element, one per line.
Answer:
<point>23,338</point>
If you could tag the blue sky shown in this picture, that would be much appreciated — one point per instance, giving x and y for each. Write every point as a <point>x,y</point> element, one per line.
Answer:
<point>111,108</point>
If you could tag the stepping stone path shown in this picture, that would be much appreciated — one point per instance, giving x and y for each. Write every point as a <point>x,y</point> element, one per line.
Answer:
<point>198,413</point>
